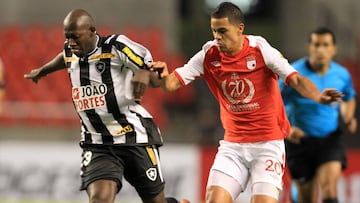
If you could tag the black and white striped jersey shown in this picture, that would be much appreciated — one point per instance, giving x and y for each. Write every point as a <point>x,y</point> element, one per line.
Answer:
<point>102,93</point>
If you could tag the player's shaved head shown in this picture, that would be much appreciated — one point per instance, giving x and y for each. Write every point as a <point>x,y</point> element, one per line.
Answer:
<point>79,18</point>
<point>80,32</point>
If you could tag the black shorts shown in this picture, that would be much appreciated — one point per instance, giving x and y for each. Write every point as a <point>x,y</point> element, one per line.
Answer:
<point>139,165</point>
<point>304,159</point>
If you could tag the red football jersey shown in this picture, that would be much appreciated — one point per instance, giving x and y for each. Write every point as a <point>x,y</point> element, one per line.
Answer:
<point>246,87</point>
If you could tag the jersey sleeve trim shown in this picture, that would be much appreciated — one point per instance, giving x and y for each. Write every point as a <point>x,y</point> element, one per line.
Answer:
<point>179,78</point>
<point>289,76</point>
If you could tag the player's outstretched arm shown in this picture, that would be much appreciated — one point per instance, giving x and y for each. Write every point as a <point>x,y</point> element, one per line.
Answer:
<point>57,63</point>
<point>168,82</point>
<point>308,89</point>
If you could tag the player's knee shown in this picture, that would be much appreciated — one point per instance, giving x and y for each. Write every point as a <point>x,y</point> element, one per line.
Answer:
<point>329,189</point>
<point>222,187</point>
<point>102,191</point>
<point>217,194</point>
<point>265,189</point>
<point>99,198</point>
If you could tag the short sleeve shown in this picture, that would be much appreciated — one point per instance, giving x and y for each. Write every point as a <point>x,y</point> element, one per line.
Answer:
<point>349,91</point>
<point>192,69</point>
<point>273,58</point>
<point>133,55</point>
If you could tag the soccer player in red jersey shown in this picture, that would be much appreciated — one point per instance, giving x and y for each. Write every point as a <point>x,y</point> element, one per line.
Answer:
<point>242,72</point>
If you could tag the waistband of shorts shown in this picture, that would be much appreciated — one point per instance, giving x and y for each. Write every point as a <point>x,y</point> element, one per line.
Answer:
<point>337,132</point>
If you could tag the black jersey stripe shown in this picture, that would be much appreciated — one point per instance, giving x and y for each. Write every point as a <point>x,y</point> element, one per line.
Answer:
<point>94,118</point>
<point>151,128</point>
<point>68,53</point>
<point>87,135</point>
<point>110,97</point>
<point>106,78</point>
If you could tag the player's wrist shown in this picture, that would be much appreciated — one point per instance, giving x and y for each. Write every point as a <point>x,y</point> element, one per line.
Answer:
<point>42,73</point>
<point>319,99</point>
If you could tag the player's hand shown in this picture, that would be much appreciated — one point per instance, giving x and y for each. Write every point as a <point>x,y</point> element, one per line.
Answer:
<point>34,75</point>
<point>330,95</point>
<point>160,67</point>
<point>296,134</point>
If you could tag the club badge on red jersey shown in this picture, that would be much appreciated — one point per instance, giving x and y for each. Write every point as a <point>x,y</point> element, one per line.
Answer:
<point>251,62</point>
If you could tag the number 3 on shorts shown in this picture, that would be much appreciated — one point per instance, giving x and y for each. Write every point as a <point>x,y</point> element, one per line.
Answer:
<point>86,158</point>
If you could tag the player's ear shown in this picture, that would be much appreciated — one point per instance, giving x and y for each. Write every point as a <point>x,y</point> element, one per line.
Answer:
<point>241,28</point>
<point>92,29</point>
<point>335,50</point>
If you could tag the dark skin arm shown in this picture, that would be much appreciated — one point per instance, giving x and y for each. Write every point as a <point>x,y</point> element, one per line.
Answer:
<point>57,63</point>
<point>142,79</point>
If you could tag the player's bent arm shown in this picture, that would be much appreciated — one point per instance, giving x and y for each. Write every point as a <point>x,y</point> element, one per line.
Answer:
<point>170,83</point>
<point>305,87</point>
<point>308,89</point>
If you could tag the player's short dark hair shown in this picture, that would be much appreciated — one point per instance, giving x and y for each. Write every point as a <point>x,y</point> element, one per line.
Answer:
<point>321,31</point>
<point>229,10</point>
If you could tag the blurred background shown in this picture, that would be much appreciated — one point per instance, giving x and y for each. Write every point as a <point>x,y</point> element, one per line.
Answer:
<point>39,129</point>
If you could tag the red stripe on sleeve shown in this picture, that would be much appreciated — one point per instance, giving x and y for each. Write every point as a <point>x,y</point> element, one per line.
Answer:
<point>287,78</point>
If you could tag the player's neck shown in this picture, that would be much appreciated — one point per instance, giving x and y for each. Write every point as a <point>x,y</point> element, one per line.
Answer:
<point>237,48</point>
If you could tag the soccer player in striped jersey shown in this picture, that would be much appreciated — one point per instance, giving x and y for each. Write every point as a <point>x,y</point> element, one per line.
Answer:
<point>316,150</point>
<point>242,72</point>
<point>118,136</point>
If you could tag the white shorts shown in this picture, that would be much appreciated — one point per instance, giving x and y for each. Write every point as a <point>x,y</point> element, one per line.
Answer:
<point>263,162</point>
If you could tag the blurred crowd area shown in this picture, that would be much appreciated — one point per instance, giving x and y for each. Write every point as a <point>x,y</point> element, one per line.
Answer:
<point>173,31</point>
